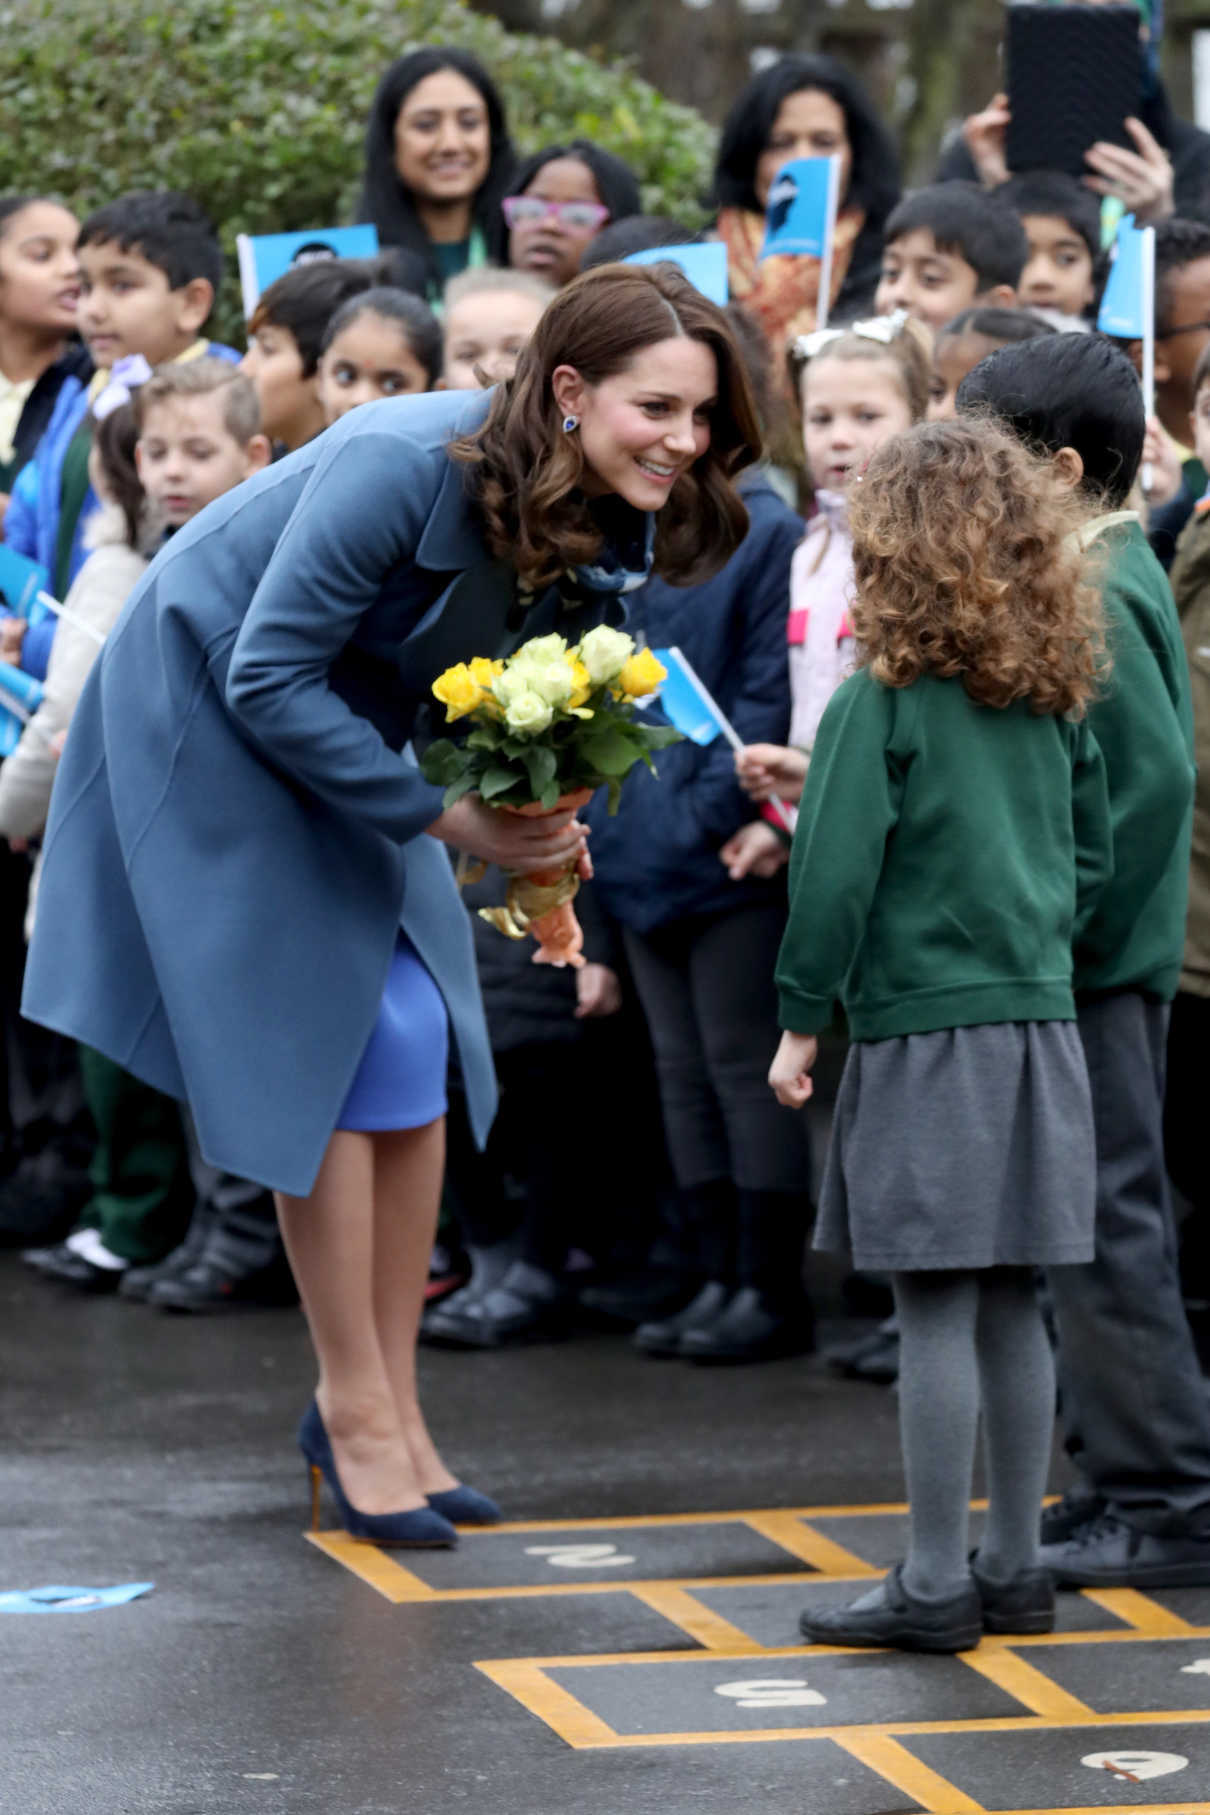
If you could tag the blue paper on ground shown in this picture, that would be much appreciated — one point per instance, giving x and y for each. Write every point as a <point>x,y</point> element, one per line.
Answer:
<point>21,580</point>
<point>1123,306</point>
<point>264,257</point>
<point>800,209</point>
<point>704,265</point>
<point>71,1600</point>
<point>682,704</point>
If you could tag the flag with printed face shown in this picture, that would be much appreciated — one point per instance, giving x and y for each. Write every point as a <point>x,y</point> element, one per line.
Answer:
<point>801,210</point>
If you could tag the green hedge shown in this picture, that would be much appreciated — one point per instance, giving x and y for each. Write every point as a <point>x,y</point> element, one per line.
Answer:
<point>258,110</point>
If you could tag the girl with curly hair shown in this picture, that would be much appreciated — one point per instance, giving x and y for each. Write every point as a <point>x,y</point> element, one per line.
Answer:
<point>954,833</point>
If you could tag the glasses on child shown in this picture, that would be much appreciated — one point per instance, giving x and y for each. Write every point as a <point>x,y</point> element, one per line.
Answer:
<point>882,328</point>
<point>577,217</point>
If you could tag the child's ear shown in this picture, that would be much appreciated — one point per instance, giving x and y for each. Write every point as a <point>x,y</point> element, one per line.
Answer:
<point>1001,296</point>
<point>194,303</point>
<point>258,454</point>
<point>1069,466</point>
<point>138,460</point>
<point>441,384</point>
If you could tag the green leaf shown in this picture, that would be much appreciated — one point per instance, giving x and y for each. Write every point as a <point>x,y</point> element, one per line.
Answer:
<point>541,763</point>
<point>497,780</point>
<point>609,751</point>
<point>457,789</point>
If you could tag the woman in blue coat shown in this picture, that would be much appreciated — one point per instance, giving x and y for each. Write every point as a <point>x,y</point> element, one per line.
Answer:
<point>245,900</point>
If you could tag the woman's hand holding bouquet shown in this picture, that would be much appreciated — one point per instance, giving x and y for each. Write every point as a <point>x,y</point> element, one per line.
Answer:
<point>550,725</point>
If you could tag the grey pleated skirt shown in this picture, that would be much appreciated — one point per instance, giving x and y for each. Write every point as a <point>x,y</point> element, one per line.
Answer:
<point>966,1148</point>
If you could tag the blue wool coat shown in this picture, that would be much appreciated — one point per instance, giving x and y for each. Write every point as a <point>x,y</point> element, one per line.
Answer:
<point>236,828</point>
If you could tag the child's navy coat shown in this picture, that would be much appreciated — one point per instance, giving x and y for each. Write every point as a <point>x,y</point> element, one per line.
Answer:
<point>235,834</point>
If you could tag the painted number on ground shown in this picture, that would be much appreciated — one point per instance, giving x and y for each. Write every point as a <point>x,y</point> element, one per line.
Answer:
<point>1201,1668</point>
<point>1135,1767</point>
<point>773,1692</point>
<point>579,1556</point>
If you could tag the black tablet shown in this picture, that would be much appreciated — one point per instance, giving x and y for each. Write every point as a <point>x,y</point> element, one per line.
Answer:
<point>1073,75</point>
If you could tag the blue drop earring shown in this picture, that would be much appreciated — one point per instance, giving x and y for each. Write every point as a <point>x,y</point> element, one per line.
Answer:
<point>570,424</point>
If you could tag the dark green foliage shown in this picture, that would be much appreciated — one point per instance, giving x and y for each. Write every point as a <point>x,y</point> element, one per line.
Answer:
<point>258,110</point>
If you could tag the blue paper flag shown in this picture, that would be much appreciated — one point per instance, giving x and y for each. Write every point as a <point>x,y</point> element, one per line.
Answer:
<point>705,266</point>
<point>683,704</point>
<point>21,580</point>
<point>1123,311</point>
<point>71,1600</point>
<point>801,210</point>
<point>264,257</point>
<point>20,697</point>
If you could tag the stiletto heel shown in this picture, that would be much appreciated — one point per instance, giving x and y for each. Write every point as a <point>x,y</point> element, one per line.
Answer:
<point>419,1529</point>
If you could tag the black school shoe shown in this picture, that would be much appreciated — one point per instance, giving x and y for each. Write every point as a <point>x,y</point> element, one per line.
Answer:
<point>207,1286</point>
<point>1077,1508</point>
<point>664,1337</point>
<point>1026,1604</point>
<point>527,1305</point>
<point>902,1622</point>
<point>1107,1553</point>
<point>753,1327</point>
<point>67,1268</point>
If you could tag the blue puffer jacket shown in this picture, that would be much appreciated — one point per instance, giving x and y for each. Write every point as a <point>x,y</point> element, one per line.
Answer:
<point>31,524</point>
<point>657,860</point>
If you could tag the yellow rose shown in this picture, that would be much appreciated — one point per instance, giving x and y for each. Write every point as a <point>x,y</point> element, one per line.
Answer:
<point>641,675</point>
<point>483,672</point>
<point>458,692</point>
<point>581,682</point>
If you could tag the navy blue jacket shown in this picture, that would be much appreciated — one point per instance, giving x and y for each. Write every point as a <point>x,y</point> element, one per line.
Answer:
<point>657,860</point>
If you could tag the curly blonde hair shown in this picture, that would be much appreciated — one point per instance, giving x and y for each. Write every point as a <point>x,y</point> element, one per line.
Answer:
<point>969,563</point>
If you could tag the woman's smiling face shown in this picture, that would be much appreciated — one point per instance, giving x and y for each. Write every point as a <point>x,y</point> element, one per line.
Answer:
<point>643,428</point>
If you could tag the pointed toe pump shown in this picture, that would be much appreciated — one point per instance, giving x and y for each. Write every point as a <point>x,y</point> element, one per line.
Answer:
<point>420,1528</point>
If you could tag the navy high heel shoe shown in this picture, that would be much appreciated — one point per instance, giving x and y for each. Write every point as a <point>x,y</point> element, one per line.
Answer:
<point>420,1529</point>
<point>465,1506</point>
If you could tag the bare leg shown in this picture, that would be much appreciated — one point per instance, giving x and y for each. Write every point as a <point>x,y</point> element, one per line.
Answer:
<point>329,1238</point>
<point>408,1168</point>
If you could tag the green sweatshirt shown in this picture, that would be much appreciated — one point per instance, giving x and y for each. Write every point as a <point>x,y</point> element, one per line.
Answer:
<point>1143,722</point>
<point>944,852</point>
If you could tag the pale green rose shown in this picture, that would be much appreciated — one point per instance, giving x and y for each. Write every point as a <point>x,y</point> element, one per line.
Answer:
<point>605,652</point>
<point>529,713</point>
<point>539,652</point>
<point>555,682</point>
<point>508,686</point>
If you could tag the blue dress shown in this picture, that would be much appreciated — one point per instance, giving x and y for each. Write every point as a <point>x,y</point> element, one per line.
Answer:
<point>400,1082</point>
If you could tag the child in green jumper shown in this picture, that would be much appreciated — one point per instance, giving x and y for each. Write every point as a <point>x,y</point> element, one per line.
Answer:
<point>954,827</point>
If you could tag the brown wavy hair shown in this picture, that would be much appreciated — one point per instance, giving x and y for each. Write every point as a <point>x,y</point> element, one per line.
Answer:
<point>525,473</point>
<point>968,564</point>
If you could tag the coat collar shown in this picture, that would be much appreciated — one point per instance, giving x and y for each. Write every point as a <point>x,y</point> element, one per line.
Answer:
<point>452,539</point>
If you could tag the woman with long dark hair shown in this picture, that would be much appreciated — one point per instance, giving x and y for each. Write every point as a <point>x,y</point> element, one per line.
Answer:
<point>245,900</point>
<point>439,161</point>
<point>803,107</point>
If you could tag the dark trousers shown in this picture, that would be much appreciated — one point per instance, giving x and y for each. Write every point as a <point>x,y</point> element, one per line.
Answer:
<point>741,1161</point>
<point>1185,1143</point>
<point>1133,1403</point>
<point>142,1193</point>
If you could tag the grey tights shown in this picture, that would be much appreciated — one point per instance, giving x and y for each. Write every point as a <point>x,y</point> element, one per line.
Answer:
<point>967,1336</point>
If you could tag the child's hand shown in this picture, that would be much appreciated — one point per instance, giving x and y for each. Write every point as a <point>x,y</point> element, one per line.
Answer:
<point>598,992</point>
<point>754,850</point>
<point>768,769</point>
<point>1159,453</point>
<point>1141,180</point>
<point>3,509</point>
<point>985,134</point>
<point>790,1072</point>
<point>12,636</point>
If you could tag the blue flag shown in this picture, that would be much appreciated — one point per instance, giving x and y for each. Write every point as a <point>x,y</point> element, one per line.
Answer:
<point>802,208</point>
<point>264,257</point>
<point>705,266</point>
<point>21,580</point>
<point>1125,307</point>
<point>20,697</point>
<point>685,702</point>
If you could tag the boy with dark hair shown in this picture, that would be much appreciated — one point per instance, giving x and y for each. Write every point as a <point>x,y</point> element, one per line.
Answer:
<point>949,246</point>
<point>1062,222</point>
<point>1138,1423</point>
<point>150,264</point>
<point>1182,334</point>
<point>285,339</point>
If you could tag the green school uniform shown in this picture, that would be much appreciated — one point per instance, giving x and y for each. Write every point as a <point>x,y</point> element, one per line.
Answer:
<point>943,853</point>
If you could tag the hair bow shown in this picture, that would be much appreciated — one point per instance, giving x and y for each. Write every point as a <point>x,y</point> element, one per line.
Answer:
<point>882,328</point>
<point>124,380</point>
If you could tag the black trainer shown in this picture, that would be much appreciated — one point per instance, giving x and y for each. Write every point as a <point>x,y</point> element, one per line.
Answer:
<point>1077,1508</point>
<point>1108,1553</point>
<point>902,1622</point>
<point>1026,1604</point>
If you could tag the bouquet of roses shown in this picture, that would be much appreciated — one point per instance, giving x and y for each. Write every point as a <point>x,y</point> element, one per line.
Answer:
<point>550,725</point>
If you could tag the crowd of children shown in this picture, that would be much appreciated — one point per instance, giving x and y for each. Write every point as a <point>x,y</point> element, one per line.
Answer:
<point>992,854</point>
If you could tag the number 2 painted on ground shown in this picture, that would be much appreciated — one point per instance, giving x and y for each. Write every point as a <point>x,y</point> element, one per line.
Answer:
<point>773,1692</point>
<point>579,1556</point>
<point>1135,1767</point>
